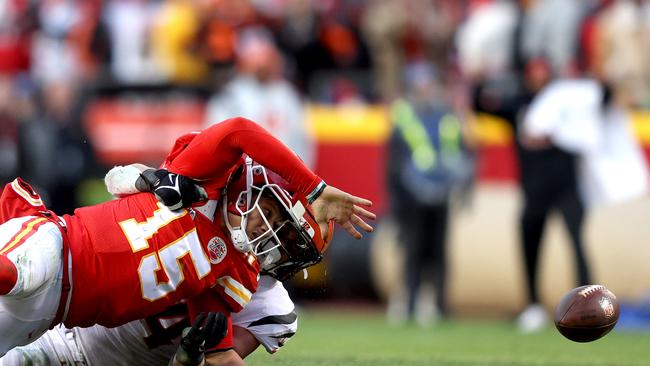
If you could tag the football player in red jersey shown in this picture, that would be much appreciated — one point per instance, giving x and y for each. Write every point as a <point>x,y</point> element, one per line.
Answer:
<point>133,257</point>
<point>268,319</point>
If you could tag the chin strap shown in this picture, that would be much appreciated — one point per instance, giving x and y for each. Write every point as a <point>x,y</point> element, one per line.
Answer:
<point>237,234</point>
<point>249,183</point>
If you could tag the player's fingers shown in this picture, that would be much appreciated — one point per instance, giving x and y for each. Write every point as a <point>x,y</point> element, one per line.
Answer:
<point>352,230</point>
<point>222,324</point>
<point>363,212</point>
<point>209,325</point>
<point>218,331</point>
<point>213,331</point>
<point>196,326</point>
<point>360,201</point>
<point>362,224</point>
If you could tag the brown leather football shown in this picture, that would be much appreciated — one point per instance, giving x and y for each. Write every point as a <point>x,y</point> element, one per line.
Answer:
<point>587,313</point>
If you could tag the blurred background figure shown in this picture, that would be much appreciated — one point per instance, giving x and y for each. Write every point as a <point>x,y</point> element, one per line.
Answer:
<point>9,130</point>
<point>259,91</point>
<point>427,163</point>
<point>17,24</point>
<point>585,120</point>
<point>60,157</point>
<point>525,61</point>
<point>618,42</point>
<point>549,181</point>
<point>54,152</point>
<point>128,26</point>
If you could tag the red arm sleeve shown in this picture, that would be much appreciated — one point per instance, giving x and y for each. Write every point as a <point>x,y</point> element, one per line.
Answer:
<point>214,151</point>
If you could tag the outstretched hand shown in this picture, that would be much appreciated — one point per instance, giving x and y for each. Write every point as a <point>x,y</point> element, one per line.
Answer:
<point>345,209</point>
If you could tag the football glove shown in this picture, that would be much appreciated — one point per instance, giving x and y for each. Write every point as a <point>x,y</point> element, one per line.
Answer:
<point>204,334</point>
<point>173,190</point>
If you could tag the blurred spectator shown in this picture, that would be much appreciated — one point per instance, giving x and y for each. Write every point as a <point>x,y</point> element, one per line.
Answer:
<point>17,24</point>
<point>398,32</point>
<point>427,162</point>
<point>174,36</point>
<point>56,154</point>
<point>55,57</point>
<point>222,21</point>
<point>549,30</point>
<point>128,23</point>
<point>549,180</point>
<point>384,26</point>
<point>9,130</point>
<point>259,92</point>
<point>590,119</point>
<point>598,161</point>
<point>485,41</point>
<point>505,86</point>
<point>323,43</point>
<point>621,47</point>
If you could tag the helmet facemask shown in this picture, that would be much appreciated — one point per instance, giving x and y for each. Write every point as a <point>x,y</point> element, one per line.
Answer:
<point>270,211</point>
<point>283,236</point>
<point>297,250</point>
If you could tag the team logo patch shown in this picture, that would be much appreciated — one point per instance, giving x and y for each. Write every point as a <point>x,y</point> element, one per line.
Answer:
<point>217,250</point>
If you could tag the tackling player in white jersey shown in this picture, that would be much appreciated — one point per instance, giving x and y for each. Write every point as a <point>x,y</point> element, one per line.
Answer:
<point>268,319</point>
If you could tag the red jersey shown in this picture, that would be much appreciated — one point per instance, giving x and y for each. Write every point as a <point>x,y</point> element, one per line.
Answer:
<point>133,258</point>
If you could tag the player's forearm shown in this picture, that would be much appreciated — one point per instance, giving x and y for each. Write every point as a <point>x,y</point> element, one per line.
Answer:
<point>227,358</point>
<point>244,341</point>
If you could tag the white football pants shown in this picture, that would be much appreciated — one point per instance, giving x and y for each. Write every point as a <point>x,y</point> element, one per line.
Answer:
<point>35,245</point>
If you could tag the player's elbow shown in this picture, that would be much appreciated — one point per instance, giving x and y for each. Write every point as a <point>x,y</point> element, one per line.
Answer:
<point>240,124</point>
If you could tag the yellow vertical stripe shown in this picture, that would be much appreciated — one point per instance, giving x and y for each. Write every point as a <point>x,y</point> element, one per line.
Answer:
<point>236,290</point>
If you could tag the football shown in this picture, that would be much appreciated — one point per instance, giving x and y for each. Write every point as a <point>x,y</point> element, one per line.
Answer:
<point>587,313</point>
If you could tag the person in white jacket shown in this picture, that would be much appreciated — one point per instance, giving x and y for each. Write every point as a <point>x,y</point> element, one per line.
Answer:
<point>596,160</point>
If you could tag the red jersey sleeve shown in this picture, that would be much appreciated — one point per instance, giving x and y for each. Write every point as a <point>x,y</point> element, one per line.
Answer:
<point>180,145</point>
<point>19,199</point>
<point>210,301</point>
<point>213,152</point>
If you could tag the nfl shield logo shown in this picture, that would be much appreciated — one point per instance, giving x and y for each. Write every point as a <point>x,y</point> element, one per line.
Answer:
<point>217,250</point>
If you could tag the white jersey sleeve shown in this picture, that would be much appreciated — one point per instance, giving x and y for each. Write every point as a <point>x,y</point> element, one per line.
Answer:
<point>270,315</point>
<point>56,347</point>
<point>152,342</point>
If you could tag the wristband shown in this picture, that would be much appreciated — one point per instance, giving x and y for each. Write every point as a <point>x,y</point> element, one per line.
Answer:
<point>150,179</point>
<point>316,192</point>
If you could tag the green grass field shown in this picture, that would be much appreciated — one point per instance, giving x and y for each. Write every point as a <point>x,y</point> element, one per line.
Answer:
<point>352,337</point>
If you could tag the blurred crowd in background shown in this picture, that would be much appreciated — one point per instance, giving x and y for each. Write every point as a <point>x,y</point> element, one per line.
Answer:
<point>54,54</point>
<point>267,59</point>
